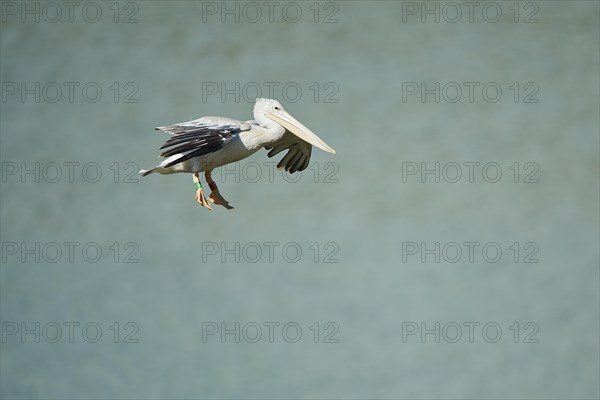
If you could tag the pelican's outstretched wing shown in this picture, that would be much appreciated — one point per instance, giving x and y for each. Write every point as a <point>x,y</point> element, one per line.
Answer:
<point>199,137</point>
<point>298,155</point>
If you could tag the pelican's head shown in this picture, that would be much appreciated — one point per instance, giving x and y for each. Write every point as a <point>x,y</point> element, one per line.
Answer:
<point>267,112</point>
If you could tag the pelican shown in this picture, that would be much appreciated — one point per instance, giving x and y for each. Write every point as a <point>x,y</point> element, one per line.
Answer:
<point>206,143</point>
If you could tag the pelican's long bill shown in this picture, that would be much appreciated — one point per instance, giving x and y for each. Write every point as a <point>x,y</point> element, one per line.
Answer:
<point>290,123</point>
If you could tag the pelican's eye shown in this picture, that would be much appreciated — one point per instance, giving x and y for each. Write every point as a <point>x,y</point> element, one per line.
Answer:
<point>277,108</point>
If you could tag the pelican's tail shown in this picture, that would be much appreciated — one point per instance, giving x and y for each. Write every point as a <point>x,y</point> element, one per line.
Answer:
<point>145,172</point>
<point>167,166</point>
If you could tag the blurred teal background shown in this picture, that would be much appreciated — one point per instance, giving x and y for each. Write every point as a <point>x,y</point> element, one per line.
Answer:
<point>365,215</point>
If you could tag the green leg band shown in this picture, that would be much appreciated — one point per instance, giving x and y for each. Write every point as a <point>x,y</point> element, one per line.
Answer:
<point>197,185</point>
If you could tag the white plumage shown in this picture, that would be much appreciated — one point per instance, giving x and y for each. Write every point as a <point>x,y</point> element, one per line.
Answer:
<point>206,143</point>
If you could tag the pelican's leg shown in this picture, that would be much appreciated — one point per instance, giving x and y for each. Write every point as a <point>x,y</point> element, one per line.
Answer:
<point>199,193</point>
<point>215,196</point>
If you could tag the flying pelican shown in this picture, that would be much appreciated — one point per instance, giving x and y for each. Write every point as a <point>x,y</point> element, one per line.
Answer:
<point>206,143</point>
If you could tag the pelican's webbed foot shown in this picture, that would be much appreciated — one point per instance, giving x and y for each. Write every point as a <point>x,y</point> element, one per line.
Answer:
<point>216,198</point>
<point>215,195</point>
<point>200,199</point>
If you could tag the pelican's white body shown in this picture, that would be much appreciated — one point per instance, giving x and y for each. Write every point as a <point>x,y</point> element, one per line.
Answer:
<point>240,146</point>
